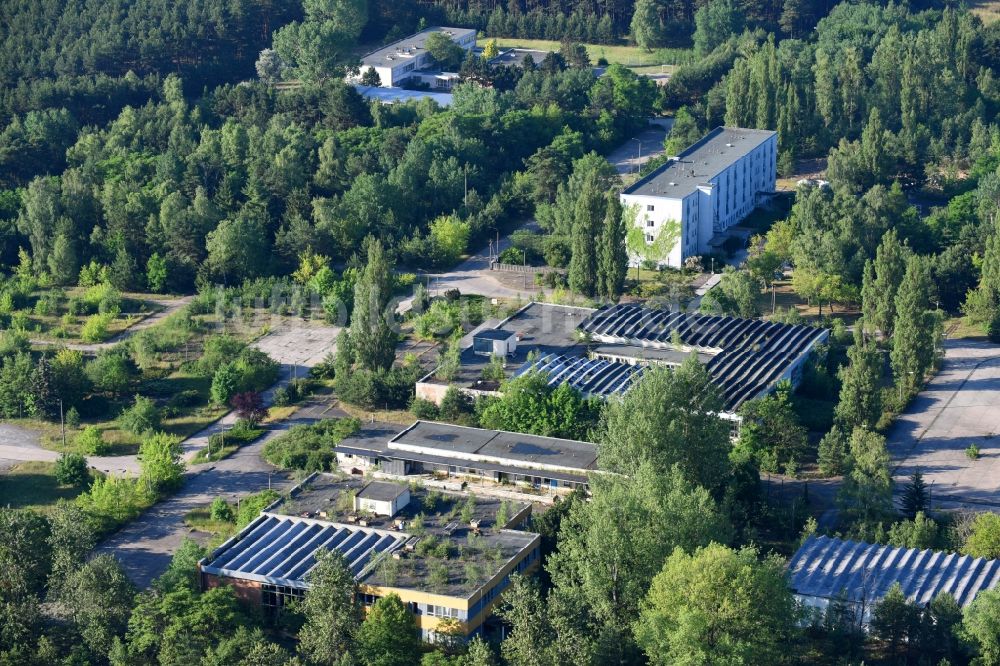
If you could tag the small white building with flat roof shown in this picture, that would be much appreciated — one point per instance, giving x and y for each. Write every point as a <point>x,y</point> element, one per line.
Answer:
<point>711,186</point>
<point>401,60</point>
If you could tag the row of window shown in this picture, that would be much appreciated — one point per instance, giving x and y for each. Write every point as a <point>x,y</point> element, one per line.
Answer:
<point>279,596</point>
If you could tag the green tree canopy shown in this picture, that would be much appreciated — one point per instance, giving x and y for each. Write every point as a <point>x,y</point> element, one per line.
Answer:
<point>717,606</point>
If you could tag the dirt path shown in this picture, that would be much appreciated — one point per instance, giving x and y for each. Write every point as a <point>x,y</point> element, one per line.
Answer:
<point>169,305</point>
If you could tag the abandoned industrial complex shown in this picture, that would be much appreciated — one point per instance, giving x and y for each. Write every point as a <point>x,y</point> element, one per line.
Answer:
<point>859,574</point>
<point>711,186</point>
<point>448,556</point>
<point>601,352</point>
<point>476,454</point>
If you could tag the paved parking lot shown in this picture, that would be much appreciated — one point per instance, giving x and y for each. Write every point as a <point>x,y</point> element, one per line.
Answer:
<point>959,407</point>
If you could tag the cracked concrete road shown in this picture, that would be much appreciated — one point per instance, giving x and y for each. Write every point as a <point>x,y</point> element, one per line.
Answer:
<point>959,407</point>
<point>145,545</point>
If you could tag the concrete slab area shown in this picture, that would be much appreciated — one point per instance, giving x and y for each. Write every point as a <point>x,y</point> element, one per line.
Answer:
<point>959,407</point>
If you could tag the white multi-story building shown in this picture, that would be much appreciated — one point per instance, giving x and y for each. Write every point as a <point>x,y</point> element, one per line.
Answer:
<point>711,186</point>
<point>401,60</point>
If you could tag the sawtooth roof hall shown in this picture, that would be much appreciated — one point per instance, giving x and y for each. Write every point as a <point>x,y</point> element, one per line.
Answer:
<point>745,357</point>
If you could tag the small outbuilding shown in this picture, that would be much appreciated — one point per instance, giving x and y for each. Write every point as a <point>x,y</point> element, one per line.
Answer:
<point>382,498</point>
<point>494,342</point>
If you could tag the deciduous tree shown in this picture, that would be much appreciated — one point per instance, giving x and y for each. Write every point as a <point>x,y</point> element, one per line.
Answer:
<point>717,606</point>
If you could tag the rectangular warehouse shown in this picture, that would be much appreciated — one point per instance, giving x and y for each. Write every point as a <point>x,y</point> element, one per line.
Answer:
<point>859,574</point>
<point>711,186</point>
<point>745,358</point>
<point>476,454</point>
<point>448,556</point>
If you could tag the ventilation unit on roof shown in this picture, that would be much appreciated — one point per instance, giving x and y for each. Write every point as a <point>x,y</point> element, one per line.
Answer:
<point>729,145</point>
<point>672,183</point>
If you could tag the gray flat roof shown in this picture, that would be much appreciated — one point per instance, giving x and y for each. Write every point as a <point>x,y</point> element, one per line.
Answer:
<point>699,163</point>
<point>493,334</point>
<point>544,328</point>
<point>382,491</point>
<point>414,43</point>
<point>448,439</point>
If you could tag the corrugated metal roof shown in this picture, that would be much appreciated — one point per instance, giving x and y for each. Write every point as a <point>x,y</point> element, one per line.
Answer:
<point>592,377</point>
<point>826,567</point>
<point>282,549</point>
<point>747,356</point>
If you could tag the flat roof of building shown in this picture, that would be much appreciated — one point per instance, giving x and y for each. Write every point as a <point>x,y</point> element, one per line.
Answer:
<point>447,440</point>
<point>279,546</point>
<point>382,491</point>
<point>827,567</point>
<point>493,334</point>
<point>409,47</point>
<point>541,328</point>
<point>402,95</point>
<point>699,163</point>
<point>743,356</point>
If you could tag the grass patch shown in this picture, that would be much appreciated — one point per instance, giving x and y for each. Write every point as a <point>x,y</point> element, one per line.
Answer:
<point>400,416</point>
<point>960,327</point>
<point>276,414</point>
<point>987,10</point>
<point>33,485</point>
<point>201,519</point>
<point>631,56</point>
<point>224,444</point>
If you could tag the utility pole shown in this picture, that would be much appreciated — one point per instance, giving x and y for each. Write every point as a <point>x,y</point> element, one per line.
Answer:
<point>62,422</point>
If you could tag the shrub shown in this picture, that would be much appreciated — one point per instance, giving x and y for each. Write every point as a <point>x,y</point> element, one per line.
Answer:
<point>95,328</point>
<point>186,398</point>
<point>220,510</point>
<point>280,397</point>
<point>378,388</point>
<point>225,383</point>
<point>102,298</point>
<point>160,461</point>
<point>438,321</point>
<point>972,452</point>
<point>424,409</point>
<point>310,447</point>
<point>91,442</point>
<point>252,505</point>
<point>141,417</point>
<point>71,470</point>
<point>219,350</point>
<point>249,406</point>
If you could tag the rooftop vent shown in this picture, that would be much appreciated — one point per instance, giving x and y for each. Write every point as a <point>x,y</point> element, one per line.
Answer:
<point>729,145</point>
<point>672,183</point>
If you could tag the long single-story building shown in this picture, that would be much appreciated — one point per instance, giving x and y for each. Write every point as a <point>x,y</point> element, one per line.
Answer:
<point>448,556</point>
<point>826,569</point>
<point>477,454</point>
